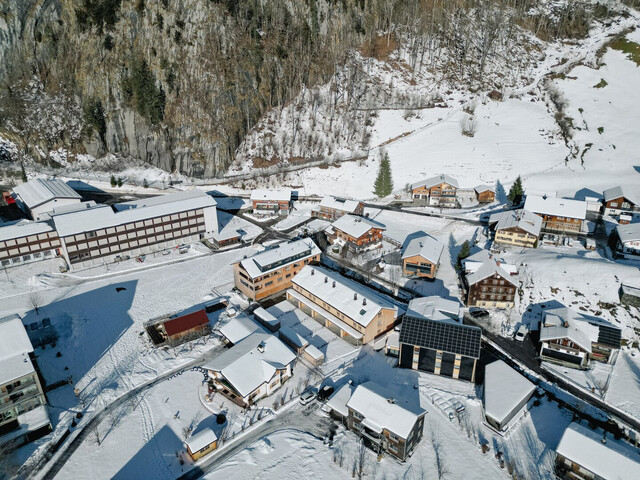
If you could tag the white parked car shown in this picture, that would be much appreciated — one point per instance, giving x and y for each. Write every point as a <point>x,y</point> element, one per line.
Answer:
<point>307,396</point>
<point>521,333</point>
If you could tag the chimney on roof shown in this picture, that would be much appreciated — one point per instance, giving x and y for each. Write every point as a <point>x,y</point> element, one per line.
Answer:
<point>364,301</point>
<point>355,296</point>
<point>391,400</point>
<point>604,438</point>
<point>421,245</point>
<point>261,347</point>
<point>313,271</point>
<point>334,284</point>
<point>326,279</point>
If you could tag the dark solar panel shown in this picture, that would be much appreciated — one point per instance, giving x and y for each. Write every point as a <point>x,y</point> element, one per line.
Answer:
<point>609,336</point>
<point>444,336</point>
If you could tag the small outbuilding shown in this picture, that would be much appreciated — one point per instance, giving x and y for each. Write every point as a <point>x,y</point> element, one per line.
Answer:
<point>266,319</point>
<point>237,329</point>
<point>202,443</point>
<point>186,327</point>
<point>313,355</point>
<point>505,394</point>
<point>293,339</point>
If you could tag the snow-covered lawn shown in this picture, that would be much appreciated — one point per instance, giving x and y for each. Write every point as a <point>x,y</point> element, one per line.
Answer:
<point>624,386</point>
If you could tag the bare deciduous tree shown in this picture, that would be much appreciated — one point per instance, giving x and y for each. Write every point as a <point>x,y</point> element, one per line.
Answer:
<point>35,300</point>
<point>440,462</point>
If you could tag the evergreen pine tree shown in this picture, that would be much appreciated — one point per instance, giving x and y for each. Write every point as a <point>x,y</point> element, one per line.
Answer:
<point>516,190</point>
<point>465,251</point>
<point>24,173</point>
<point>383,185</point>
<point>113,181</point>
<point>145,184</point>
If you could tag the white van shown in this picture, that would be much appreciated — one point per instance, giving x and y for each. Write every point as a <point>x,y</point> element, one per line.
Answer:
<point>521,333</point>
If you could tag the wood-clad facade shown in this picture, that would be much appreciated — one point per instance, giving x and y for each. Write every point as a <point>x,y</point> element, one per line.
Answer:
<point>370,237</point>
<point>486,196</point>
<point>442,194</point>
<point>418,266</point>
<point>555,223</point>
<point>493,291</point>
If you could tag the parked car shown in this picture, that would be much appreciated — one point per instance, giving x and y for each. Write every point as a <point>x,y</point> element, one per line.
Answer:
<point>521,333</point>
<point>478,312</point>
<point>324,393</point>
<point>308,395</point>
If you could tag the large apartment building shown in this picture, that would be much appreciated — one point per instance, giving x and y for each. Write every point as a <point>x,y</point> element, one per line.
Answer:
<point>519,228</point>
<point>271,202</point>
<point>23,412</point>
<point>348,309</point>
<point>104,234</point>
<point>271,271</point>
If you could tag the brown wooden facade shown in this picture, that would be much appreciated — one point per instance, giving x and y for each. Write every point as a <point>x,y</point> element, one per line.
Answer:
<point>327,213</point>
<point>493,291</point>
<point>271,283</point>
<point>270,207</point>
<point>28,248</point>
<point>417,266</point>
<point>486,196</point>
<point>554,223</point>
<point>443,194</point>
<point>127,237</point>
<point>620,205</point>
<point>370,237</point>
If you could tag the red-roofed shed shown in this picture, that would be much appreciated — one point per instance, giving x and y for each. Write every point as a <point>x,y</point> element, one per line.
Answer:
<point>184,325</point>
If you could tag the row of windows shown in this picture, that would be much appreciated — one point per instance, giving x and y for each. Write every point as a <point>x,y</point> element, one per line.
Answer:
<point>29,239</point>
<point>31,248</point>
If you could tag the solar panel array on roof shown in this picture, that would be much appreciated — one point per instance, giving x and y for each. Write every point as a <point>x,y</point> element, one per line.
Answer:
<point>444,336</point>
<point>609,336</point>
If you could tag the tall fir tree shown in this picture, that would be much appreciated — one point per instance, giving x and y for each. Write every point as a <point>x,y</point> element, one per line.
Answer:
<point>465,251</point>
<point>383,185</point>
<point>516,191</point>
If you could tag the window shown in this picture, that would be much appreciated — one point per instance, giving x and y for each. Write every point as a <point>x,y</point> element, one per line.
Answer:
<point>268,283</point>
<point>91,234</point>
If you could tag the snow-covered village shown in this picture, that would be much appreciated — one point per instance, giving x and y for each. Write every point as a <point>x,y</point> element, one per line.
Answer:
<point>359,239</point>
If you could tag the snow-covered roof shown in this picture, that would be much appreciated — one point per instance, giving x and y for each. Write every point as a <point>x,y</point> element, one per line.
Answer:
<point>352,299</point>
<point>338,401</point>
<point>379,409</point>
<point>265,316</point>
<point>434,308</point>
<point>13,337</point>
<point>524,219</point>
<point>563,322</point>
<point>613,460</point>
<point>279,255</point>
<point>340,203</point>
<point>15,347</point>
<point>252,362</point>
<point>24,228</point>
<point>504,389</point>
<point>482,265</point>
<point>427,247</point>
<point>281,195</point>
<point>560,207</point>
<point>104,217</point>
<point>38,191</point>
<point>294,337</point>
<point>437,180</point>
<point>314,352</point>
<point>356,226</point>
<point>239,328</point>
<point>201,440</point>
<point>485,188</point>
<point>629,232</point>
<point>617,192</point>
<point>69,208</point>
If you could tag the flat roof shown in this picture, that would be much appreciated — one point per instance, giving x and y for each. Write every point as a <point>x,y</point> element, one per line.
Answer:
<point>265,316</point>
<point>350,298</point>
<point>24,228</point>
<point>13,337</point>
<point>314,352</point>
<point>378,407</point>
<point>280,195</point>
<point>294,337</point>
<point>201,440</point>
<point>279,255</point>
<point>356,226</point>
<point>38,191</point>
<point>559,207</point>
<point>613,460</point>
<point>504,390</point>
<point>434,308</point>
<point>17,366</point>
<point>426,246</point>
<point>105,217</point>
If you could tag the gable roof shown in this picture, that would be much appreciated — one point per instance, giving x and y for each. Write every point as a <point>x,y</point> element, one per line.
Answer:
<point>485,188</point>
<point>201,440</point>
<point>426,246</point>
<point>584,330</point>
<point>279,255</point>
<point>343,294</point>
<point>487,267</point>
<point>617,192</point>
<point>246,367</point>
<point>38,191</point>
<point>280,195</point>
<point>339,203</point>
<point>438,179</point>
<point>523,219</point>
<point>613,460</point>
<point>504,389</point>
<point>434,308</point>
<point>356,226</point>
<point>560,207</point>
<point>629,232</point>
<point>186,322</point>
<point>372,401</point>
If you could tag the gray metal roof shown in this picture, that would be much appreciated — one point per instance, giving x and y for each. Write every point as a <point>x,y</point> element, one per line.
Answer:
<point>356,226</point>
<point>430,182</point>
<point>426,246</point>
<point>629,232</point>
<point>38,191</point>
<point>617,192</point>
<point>24,229</point>
<point>524,219</point>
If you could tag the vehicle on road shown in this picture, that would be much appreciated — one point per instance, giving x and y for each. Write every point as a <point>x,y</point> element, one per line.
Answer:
<point>307,396</point>
<point>478,312</point>
<point>521,333</point>
<point>324,393</point>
